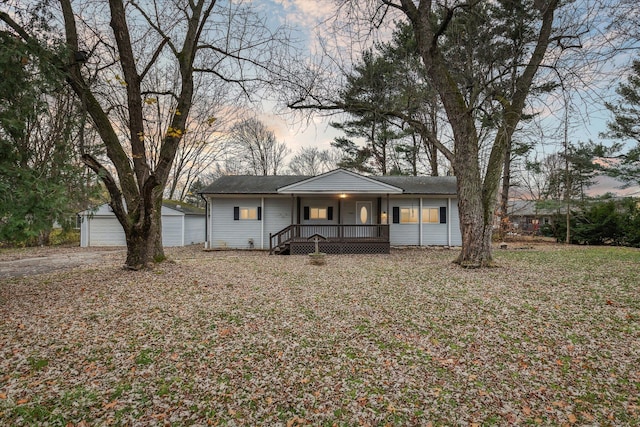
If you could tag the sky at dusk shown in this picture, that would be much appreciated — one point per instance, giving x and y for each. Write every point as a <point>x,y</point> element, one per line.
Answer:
<point>311,19</point>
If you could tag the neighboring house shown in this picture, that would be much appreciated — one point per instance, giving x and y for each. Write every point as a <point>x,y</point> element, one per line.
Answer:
<point>181,225</point>
<point>355,213</point>
<point>527,216</point>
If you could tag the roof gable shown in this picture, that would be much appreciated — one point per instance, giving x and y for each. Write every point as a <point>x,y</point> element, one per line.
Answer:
<point>339,181</point>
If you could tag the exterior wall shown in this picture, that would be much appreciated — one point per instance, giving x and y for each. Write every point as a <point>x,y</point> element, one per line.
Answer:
<point>339,181</point>
<point>84,231</point>
<point>349,209</point>
<point>276,216</point>
<point>105,231</point>
<point>194,229</point>
<point>404,234</point>
<point>101,228</point>
<point>447,234</point>
<point>225,232</point>
<point>435,234</point>
<point>172,230</point>
<point>319,202</point>
<point>456,234</point>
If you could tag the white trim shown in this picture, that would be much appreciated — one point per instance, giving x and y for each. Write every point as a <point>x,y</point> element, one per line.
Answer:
<point>383,187</point>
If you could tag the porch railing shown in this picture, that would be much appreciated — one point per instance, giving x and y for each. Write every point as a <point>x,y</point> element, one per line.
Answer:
<point>332,232</point>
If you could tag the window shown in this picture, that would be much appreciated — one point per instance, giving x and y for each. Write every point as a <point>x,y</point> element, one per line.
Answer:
<point>248,213</point>
<point>318,213</point>
<point>408,215</point>
<point>431,215</point>
<point>242,213</point>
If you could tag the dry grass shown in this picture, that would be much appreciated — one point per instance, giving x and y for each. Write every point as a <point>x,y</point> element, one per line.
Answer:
<point>226,338</point>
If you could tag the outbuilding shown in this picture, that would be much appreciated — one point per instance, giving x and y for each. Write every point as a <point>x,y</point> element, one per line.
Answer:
<point>182,225</point>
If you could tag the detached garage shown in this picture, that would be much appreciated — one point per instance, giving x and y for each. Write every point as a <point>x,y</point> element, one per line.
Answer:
<point>181,225</point>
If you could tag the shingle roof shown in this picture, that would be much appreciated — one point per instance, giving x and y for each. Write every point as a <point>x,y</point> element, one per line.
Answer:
<point>252,184</point>
<point>421,184</point>
<point>183,207</point>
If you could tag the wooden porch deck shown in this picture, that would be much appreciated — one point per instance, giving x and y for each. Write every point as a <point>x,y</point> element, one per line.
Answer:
<point>340,239</point>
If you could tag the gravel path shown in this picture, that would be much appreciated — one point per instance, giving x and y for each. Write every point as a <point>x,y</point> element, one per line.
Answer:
<point>21,263</point>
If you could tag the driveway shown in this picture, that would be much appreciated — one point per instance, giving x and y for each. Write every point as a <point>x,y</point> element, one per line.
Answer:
<point>31,261</point>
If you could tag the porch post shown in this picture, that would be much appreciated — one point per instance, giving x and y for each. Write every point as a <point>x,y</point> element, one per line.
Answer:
<point>262,223</point>
<point>388,213</point>
<point>292,200</point>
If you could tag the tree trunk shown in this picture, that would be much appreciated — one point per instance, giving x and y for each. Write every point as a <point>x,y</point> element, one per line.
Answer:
<point>475,224</point>
<point>144,237</point>
<point>504,197</point>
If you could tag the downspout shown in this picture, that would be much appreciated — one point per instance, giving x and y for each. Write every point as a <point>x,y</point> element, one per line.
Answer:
<point>420,221</point>
<point>206,222</point>
<point>449,221</point>
<point>262,223</point>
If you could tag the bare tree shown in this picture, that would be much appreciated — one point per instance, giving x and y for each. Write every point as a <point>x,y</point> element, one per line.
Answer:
<point>311,161</point>
<point>256,148</point>
<point>482,59</point>
<point>225,40</point>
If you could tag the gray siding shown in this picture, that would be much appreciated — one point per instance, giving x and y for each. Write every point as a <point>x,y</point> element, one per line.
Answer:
<point>171,230</point>
<point>84,232</point>
<point>194,229</point>
<point>403,234</point>
<point>456,235</point>
<point>435,234</point>
<point>101,228</point>
<point>349,211</point>
<point>225,232</point>
<point>276,216</point>
<point>319,202</point>
<point>105,231</point>
<point>339,181</point>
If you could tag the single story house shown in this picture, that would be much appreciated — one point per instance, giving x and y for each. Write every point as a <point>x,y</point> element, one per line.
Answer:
<point>528,216</point>
<point>181,225</point>
<point>348,212</point>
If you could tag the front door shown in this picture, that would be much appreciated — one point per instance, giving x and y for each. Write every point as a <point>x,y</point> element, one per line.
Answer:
<point>364,214</point>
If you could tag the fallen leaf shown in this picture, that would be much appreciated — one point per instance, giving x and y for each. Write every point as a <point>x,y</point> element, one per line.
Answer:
<point>3,396</point>
<point>526,410</point>
<point>572,418</point>
<point>111,404</point>
<point>22,401</point>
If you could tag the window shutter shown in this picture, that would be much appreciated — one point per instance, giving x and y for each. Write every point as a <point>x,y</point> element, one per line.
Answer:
<point>396,215</point>
<point>306,212</point>
<point>259,213</point>
<point>236,213</point>
<point>330,213</point>
<point>443,215</point>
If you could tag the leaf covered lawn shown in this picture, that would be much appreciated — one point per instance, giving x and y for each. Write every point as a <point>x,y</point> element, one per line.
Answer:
<point>550,337</point>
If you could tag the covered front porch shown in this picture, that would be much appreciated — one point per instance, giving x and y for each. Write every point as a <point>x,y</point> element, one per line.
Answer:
<point>348,211</point>
<point>297,239</point>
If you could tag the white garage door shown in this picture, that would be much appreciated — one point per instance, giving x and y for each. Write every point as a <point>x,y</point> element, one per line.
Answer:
<point>106,232</point>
